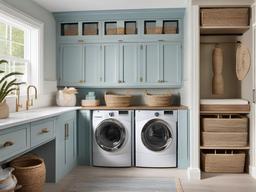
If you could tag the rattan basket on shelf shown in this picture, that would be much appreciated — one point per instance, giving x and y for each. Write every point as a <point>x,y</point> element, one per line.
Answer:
<point>117,100</point>
<point>157,100</point>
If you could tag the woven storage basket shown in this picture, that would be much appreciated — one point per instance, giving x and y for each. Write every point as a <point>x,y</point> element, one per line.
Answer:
<point>225,123</point>
<point>117,100</point>
<point>154,30</point>
<point>71,30</point>
<point>170,30</point>
<point>230,139</point>
<point>225,17</point>
<point>160,100</point>
<point>111,31</point>
<point>30,172</point>
<point>223,162</point>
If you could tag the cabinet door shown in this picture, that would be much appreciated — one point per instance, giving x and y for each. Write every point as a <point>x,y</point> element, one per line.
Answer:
<point>151,62</point>
<point>65,144</point>
<point>71,62</point>
<point>170,60</point>
<point>60,149</point>
<point>129,63</point>
<point>92,55</point>
<point>110,63</point>
<point>70,144</point>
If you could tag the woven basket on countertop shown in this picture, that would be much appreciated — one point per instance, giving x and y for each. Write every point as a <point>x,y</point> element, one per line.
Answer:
<point>157,100</point>
<point>30,172</point>
<point>117,100</point>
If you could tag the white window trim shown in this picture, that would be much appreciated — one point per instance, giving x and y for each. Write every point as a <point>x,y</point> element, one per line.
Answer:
<point>26,19</point>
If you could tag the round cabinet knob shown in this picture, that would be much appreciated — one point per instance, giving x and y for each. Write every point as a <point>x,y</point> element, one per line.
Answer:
<point>111,114</point>
<point>157,114</point>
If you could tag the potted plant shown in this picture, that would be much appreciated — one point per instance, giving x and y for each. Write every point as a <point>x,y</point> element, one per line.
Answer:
<point>7,85</point>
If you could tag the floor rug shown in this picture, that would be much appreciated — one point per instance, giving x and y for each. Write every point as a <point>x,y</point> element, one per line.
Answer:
<point>127,184</point>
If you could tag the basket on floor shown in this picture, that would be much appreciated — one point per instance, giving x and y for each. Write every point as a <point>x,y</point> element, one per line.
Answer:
<point>30,172</point>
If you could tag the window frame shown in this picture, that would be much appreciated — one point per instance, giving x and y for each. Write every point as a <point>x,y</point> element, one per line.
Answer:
<point>36,41</point>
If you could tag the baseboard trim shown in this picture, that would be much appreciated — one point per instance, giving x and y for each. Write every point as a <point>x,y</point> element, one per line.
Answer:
<point>194,174</point>
<point>252,171</point>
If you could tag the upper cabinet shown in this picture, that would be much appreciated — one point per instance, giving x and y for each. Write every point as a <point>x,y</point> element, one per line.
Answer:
<point>121,48</point>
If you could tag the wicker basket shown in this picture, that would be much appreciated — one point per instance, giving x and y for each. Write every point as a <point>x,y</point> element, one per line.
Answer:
<point>225,123</point>
<point>90,103</point>
<point>225,16</point>
<point>160,100</point>
<point>154,30</point>
<point>223,162</point>
<point>117,100</point>
<point>4,110</point>
<point>170,30</point>
<point>230,139</point>
<point>30,172</point>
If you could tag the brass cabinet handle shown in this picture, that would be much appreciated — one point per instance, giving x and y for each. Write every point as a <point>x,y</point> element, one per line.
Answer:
<point>8,144</point>
<point>81,41</point>
<point>45,130</point>
<point>67,130</point>
<point>65,134</point>
<point>81,81</point>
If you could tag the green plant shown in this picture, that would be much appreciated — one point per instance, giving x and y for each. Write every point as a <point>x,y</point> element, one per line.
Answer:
<point>7,85</point>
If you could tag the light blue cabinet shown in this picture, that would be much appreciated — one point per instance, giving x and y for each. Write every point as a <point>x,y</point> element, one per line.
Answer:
<point>66,154</point>
<point>110,63</point>
<point>84,137</point>
<point>161,64</point>
<point>151,63</point>
<point>121,49</point>
<point>71,64</point>
<point>129,63</point>
<point>92,62</point>
<point>170,63</point>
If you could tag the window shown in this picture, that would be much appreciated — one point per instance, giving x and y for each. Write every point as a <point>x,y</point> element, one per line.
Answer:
<point>19,46</point>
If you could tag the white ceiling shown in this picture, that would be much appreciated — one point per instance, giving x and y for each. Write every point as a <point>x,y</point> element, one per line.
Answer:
<point>84,5</point>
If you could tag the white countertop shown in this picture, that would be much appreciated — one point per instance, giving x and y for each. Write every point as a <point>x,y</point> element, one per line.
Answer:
<point>31,115</point>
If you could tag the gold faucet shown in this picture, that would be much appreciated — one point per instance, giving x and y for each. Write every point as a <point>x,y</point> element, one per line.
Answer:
<point>30,102</point>
<point>18,105</point>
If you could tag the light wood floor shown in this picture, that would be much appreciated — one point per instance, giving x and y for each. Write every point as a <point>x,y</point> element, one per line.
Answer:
<point>209,183</point>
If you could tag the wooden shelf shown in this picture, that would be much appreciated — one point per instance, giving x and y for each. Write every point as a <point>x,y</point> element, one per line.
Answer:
<point>218,147</point>
<point>223,30</point>
<point>223,112</point>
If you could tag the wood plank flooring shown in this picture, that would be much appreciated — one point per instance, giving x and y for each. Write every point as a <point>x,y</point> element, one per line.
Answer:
<point>209,183</point>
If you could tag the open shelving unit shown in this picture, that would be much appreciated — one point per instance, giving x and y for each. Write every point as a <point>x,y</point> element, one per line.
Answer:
<point>226,38</point>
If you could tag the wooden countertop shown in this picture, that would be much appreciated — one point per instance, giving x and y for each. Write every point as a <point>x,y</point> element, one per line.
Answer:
<point>143,107</point>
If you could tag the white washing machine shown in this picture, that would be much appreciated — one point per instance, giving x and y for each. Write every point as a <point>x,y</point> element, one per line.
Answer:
<point>155,138</point>
<point>112,138</point>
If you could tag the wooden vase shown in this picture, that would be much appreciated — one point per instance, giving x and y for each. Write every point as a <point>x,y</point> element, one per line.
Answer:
<point>4,110</point>
<point>217,66</point>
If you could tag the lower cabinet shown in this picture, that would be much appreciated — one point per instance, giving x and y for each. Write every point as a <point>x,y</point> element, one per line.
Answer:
<point>66,153</point>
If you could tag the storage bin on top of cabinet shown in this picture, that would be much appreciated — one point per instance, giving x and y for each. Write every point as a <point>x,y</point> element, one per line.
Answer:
<point>225,123</point>
<point>225,16</point>
<point>216,161</point>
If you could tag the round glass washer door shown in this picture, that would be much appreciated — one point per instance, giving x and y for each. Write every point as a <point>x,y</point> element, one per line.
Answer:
<point>110,135</point>
<point>156,135</point>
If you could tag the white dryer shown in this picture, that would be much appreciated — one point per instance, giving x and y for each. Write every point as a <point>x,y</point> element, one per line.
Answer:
<point>155,138</point>
<point>112,138</point>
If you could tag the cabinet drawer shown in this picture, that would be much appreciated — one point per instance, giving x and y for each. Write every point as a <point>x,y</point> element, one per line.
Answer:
<point>13,143</point>
<point>42,131</point>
